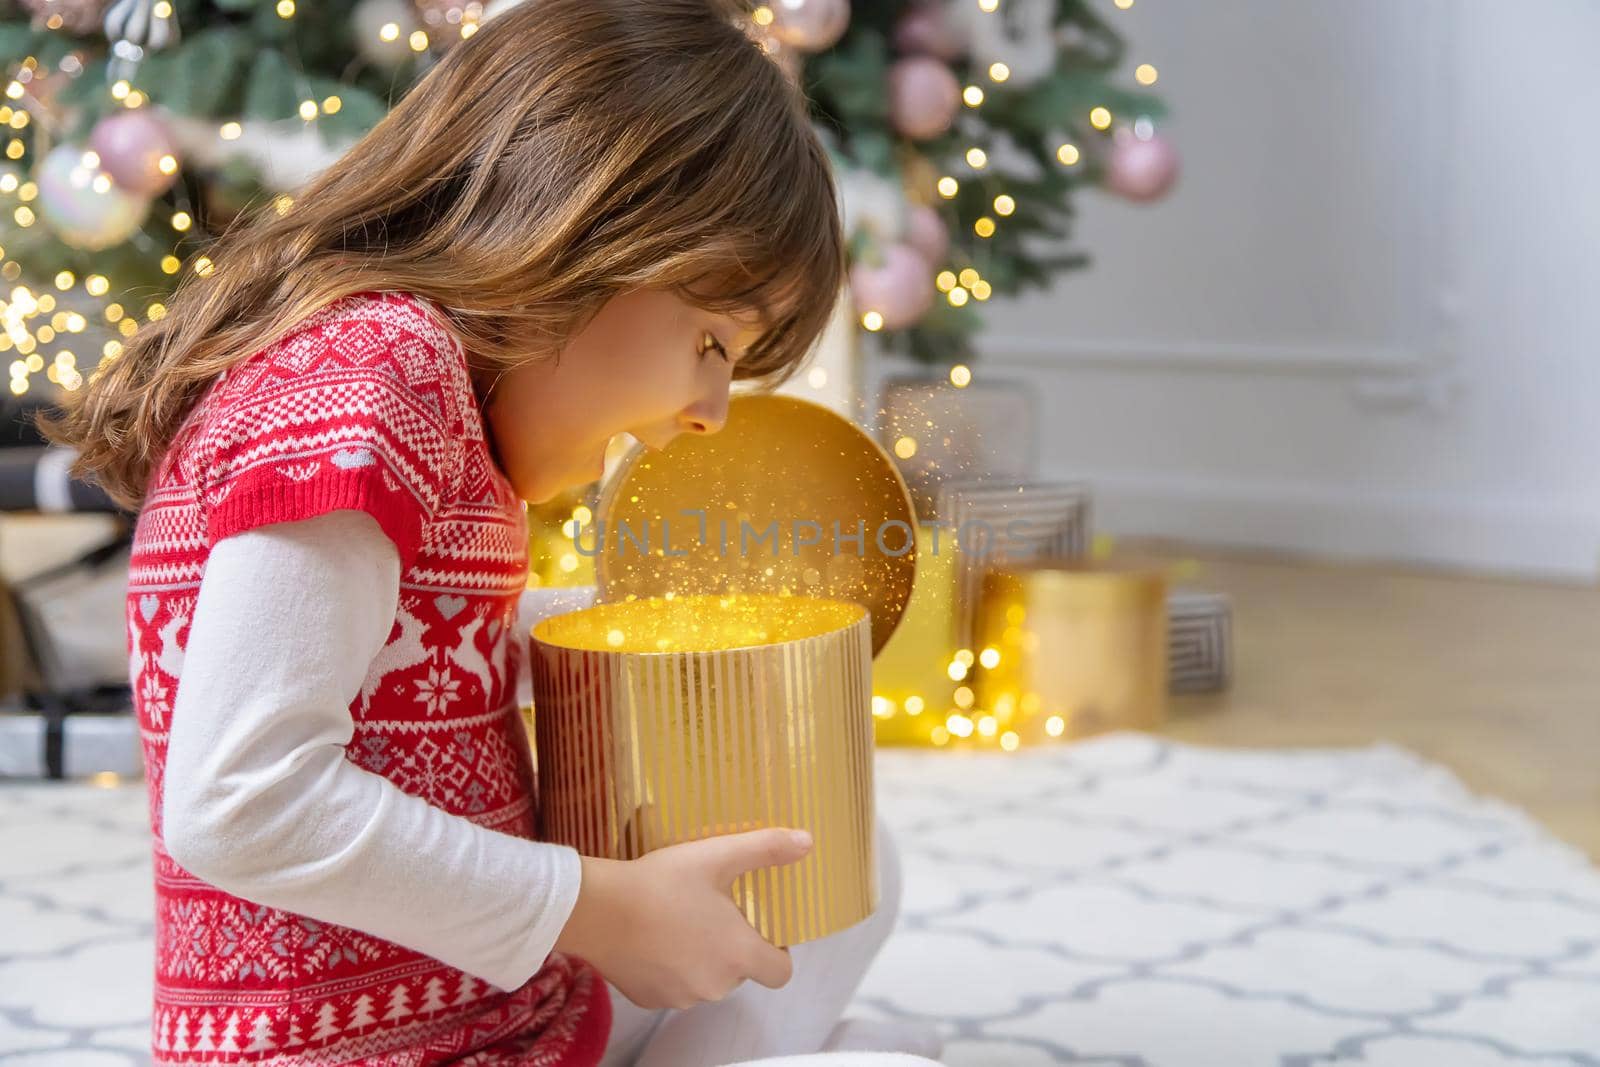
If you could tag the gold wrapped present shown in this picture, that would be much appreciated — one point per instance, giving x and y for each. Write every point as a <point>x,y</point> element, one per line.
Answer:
<point>911,684</point>
<point>663,720</point>
<point>1071,649</point>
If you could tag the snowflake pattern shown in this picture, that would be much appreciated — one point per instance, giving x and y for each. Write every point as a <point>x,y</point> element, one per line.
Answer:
<point>154,695</point>
<point>436,691</point>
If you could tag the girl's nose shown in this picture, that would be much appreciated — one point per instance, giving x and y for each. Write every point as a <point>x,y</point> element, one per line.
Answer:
<point>701,423</point>
<point>707,416</point>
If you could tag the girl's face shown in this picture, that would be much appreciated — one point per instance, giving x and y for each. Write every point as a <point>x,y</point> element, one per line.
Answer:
<point>648,364</point>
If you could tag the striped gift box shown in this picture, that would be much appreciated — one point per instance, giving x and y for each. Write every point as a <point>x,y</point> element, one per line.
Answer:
<point>1050,520</point>
<point>1199,641</point>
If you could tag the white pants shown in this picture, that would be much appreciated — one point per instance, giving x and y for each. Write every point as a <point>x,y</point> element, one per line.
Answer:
<point>771,1026</point>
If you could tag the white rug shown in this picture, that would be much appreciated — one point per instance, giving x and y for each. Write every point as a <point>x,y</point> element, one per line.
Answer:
<point>1123,902</point>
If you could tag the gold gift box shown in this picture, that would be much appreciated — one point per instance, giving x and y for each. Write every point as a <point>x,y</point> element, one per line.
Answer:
<point>667,719</point>
<point>1072,649</point>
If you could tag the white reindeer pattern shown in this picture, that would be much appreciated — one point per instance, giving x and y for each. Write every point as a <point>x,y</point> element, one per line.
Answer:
<point>170,658</point>
<point>404,652</point>
<point>467,657</point>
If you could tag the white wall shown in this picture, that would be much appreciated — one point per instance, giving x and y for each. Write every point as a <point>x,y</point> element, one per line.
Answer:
<point>1366,322</point>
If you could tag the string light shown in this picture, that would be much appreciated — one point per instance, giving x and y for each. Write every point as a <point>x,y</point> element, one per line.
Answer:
<point>977,158</point>
<point>1068,154</point>
<point>948,187</point>
<point>1004,205</point>
<point>984,227</point>
<point>286,9</point>
<point>1100,118</point>
<point>999,72</point>
<point>1124,4</point>
<point>981,289</point>
<point>988,7</point>
<point>958,298</point>
<point>873,321</point>
<point>905,448</point>
<point>389,31</point>
<point>1145,74</point>
<point>946,281</point>
<point>968,277</point>
<point>230,131</point>
<point>960,376</point>
<point>972,95</point>
<point>418,41</point>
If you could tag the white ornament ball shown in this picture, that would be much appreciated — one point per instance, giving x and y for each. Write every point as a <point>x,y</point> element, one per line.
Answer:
<point>1020,34</point>
<point>82,204</point>
<point>872,204</point>
<point>367,21</point>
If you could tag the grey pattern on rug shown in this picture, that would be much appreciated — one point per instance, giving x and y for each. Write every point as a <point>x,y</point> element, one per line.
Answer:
<point>1122,902</point>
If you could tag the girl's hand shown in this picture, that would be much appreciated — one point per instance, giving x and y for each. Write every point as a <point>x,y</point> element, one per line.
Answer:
<point>664,928</point>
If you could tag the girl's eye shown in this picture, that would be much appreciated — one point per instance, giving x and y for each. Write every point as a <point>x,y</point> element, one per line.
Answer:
<point>708,341</point>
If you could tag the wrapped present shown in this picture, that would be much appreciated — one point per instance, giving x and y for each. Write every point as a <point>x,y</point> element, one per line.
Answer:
<point>998,522</point>
<point>75,743</point>
<point>1070,649</point>
<point>664,720</point>
<point>1199,641</point>
<point>911,685</point>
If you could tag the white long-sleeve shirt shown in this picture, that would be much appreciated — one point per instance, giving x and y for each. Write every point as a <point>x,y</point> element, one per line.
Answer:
<point>260,800</point>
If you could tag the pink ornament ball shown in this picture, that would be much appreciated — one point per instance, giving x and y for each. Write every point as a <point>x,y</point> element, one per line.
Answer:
<point>810,25</point>
<point>927,234</point>
<point>900,287</point>
<point>923,97</point>
<point>130,145</point>
<point>925,30</point>
<point>1140,169</point>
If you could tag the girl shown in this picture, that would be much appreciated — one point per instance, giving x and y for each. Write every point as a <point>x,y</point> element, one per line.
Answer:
<point>587,219</point>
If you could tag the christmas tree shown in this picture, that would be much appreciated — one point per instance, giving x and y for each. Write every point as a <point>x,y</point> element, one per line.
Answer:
<point>139,130</point>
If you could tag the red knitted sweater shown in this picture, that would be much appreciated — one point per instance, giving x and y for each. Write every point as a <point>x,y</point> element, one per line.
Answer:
<point>366,404</point>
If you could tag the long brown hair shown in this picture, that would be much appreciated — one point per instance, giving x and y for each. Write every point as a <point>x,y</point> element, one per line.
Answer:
<point>568,151</point>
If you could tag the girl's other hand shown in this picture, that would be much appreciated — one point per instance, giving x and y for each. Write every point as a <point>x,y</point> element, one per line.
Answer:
<point>664,928</point>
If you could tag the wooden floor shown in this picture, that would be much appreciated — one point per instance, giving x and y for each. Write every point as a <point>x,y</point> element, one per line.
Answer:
<point>1498,680</point>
